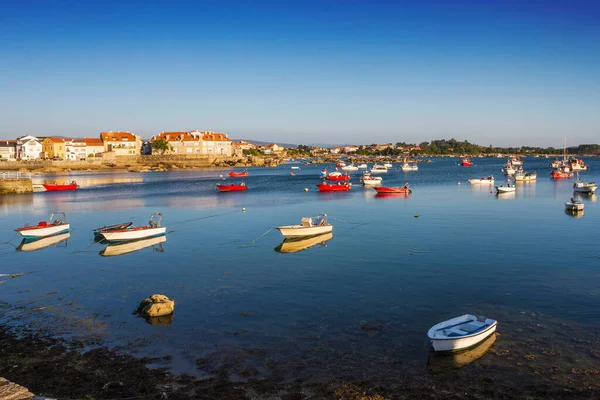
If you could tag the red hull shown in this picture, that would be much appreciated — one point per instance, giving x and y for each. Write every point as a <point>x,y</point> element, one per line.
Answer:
<point>238,174</point>
<point>328,187</point>
<point>56,188</point>
<point>561,175</point>
<point>392,190</point>
<point>232,188</point>
<point>340,178</point>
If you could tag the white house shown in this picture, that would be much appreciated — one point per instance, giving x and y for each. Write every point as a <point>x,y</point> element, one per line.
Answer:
<point>29,148</point>
<point>8,149</point>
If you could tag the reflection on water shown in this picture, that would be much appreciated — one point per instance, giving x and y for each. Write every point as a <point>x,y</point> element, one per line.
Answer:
<point>574,213</point>
<point>118,249</point>
<point>442,362</point>
<point>164,320</point>
<point>87,181</point>
<point>505,195</point>
<point>38,244</point>
<point>294,245</point>
<point>585,197</point>
<point>390,195</point>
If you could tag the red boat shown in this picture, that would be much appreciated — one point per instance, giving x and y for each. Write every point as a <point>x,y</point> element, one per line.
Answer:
<point>56,187</point>
<point>338,178</point>
<point>395,190</point>
<point>561,174</point>
<point>331,187</point>
<point>232,188</point>
<point>466,162</point>
<point>238,174</point>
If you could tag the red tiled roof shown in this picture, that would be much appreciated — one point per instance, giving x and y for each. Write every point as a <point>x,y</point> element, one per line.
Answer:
<point>215,137</point>
<point>56,139</point>
<point>117,137</point>
<point>93,142</point>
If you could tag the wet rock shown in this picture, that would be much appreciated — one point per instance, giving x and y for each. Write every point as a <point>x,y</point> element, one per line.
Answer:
<point>157,305</point>
<point>12,391</point>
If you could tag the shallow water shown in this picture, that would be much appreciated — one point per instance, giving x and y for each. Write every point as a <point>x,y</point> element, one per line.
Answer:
<point>355,307</point>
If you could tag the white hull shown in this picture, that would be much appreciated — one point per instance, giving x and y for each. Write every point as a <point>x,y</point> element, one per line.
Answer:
<point>522,178</point>
<point>379,170</point>
<point>407,168</point>
<point>481,181</point>
<point>133,234</point>
<point>505,189</point>
<point>573,206</point>
<point>299,230</point>
<point>451,335</point>
<point>349,168</point>
<point>577,167</point>
<point>583,187</point>
<point>371,182</point>
<point>47,231</point>
<point>362,166</point>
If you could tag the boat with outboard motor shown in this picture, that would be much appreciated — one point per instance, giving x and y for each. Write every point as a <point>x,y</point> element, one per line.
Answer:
<point>393,190</point>
<point>489,180</point>
<point>232,187</point>
<point>56,187</point>
<point>307,227</point>
<point>574,205</point>
<point>334,187</point>
<point>53,226</point>
<point>153,228</point>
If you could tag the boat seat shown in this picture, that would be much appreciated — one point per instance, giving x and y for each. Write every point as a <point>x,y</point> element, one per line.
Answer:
<point>453,332</point>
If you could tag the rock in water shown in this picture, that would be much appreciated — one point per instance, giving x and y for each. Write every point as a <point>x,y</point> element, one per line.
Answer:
<point>156,305</point>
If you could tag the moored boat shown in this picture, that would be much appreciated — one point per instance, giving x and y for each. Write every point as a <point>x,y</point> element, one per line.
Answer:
<point>107,228</point>
<point>153,228</point>
<point>574,205</point>
<point>337,177</point>
<point>406,167</point>
<point>232,187</point>
<point>561,173</point>
<point>505,189</point>
<point>234,174</point>
<point>362,166</point>
<point>489,180</point>
<point>307,227</point>
<point>522,176</point>
<point>466,162</point>
<point>350,167</point>
<point>334,187</point>
<point>399,189</point>
<point>585,187</point>
<point>54,226</point>
<point>56,187</point>
<point>460,333</point>
<point>379,169</point>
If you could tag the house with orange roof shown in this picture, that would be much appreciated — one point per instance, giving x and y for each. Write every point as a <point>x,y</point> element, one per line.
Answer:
<point>94,147</point>
<point>75,149</point>
<point>181,142</point>
<point>122,143</point>
<point>54,147</point>
<point>217,144</point>
<point>272,148</point>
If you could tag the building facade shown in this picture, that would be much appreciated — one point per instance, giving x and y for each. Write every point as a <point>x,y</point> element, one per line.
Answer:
<point>122,143</point>
<point>28,148</point>
<point>8,149</point>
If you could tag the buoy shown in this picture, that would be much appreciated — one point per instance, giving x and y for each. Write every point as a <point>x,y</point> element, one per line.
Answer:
<point>306,189</point>
<point>459,183</point>
<point>244,209</point>
<point>416,215</point>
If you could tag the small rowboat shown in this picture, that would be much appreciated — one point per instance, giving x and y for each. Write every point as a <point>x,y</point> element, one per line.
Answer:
<point>54,226</point>
<point>460,333</point>
<point>330,187</point>
<point>232,188</point>
<point>238,174</point>
<point>482,181</point>
<point>56,187</point>
<point>307,227</point>
<point>574,205</point>
<point>137,232</point>
<point>386,190</point>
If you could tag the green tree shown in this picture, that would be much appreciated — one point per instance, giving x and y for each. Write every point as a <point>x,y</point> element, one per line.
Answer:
<point>161,145</point>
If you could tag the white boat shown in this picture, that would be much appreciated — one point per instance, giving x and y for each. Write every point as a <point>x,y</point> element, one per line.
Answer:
<point>379,169</point>
<point>371,180</point>
<point>54,226</point>
<point>406,167</point>
<point>307,227</point>
<point>522,176</point>
<point>460,333</point>
<point>505,189</point>
<point>577,164</point>
<point>362,166</point>
<point>350,167</point>
<point>574,205</point>
<point>509,169</point>
<point>136,232</point>
<point>585,187</point>
<point>117,249</point>
<point>388,165</point>
<point>38,244</point>
<point>294,167</point>
<point>482,181</point>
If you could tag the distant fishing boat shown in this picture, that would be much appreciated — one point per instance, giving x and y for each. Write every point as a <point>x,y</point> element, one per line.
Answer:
<point>239,174</point>
<point>232,187</point>
<point>482,181</point>
<point>466,162</point>
<point>388,190</point>
<point>330,187</point>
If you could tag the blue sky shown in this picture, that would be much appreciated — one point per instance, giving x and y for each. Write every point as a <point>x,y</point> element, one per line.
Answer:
<point>496,72</point>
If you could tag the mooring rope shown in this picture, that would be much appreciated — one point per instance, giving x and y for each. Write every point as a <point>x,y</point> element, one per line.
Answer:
<point>252,242</point>
<point>205,217</point>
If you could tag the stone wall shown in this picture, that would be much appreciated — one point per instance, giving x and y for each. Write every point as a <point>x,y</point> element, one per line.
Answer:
<point>11,186</point>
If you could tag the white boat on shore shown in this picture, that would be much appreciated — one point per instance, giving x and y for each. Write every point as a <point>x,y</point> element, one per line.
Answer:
<point>460,333</point>
<point>153,228</point>
<point>505,189</point>
<point>574,205</point>
<point>307,227</point>
<point>54,226</point>
<point>489,180</point>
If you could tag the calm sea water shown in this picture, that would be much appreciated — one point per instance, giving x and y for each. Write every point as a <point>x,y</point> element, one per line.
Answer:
<point>362,301</point>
